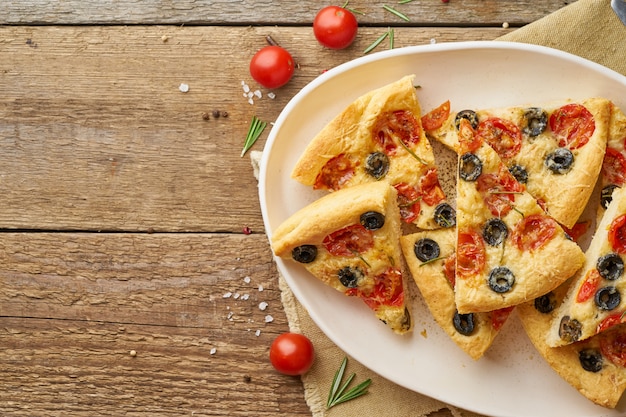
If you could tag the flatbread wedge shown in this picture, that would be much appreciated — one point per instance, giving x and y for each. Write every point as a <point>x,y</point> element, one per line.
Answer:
<point>350,240</point>
<point>379,137</point>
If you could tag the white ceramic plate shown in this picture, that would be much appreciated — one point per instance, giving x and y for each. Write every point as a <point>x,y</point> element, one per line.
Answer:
<point>512,379</point>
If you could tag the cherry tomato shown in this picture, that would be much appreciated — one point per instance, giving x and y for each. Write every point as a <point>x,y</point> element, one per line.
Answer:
<point>335,27</point>
<point>614,166</point>
<point>573,125</point>
<point>503,136</point>
<point>589,287</point>
<point>613,346</point>
<point>533,232</point>
<point>436,117</point>
<point>617,234</point>
<point>272,66</point>
<point>470,255</point>
<point>292,354</point>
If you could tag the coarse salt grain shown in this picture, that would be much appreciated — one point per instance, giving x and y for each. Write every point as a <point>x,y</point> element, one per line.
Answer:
<point>269,319</point>
<point>246,280</point>
<point>260,287</point>
<point>183,87</point>
<point>227,295</point>
<point>271,95</point>
<point>246,88</point>
<point>263,305</point>
<point>250,101</point>
<point>230,315</point>
<point>213,351</point>
<point>433,41</point>
<point>257,333</point>
<point>258,93</point>
<point>245,296</point>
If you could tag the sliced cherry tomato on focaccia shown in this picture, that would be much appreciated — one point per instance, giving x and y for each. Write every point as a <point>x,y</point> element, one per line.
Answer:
<point>499,317</point>
<point>387,290</point>
<point>468,140</point>
<point>335,173</point>
<point>400,125</point>
<point>614,167</point>
<point>449,269</point>
<point>578,230</point>
<point>435,118</point>
<point>429,187</point>
<point>533,232</point>
<point>573,125</point>
<point>617,234</point>
<point>589,287</point>
<point>471,255</point>
<point>408,201</point>
<point>349,241</point>
<point>498,191</point>
<point>610,321</point>
<point>613,347</point>
<point>502,135</point>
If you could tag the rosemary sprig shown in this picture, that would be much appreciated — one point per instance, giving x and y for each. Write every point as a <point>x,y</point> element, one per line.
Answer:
<point>404,1</point>
<point>413,154</point>
<point>376,42</point>
<point>391,38</point>
<point>397,13</point>
<point>256,128</point>
<point>337,395</point>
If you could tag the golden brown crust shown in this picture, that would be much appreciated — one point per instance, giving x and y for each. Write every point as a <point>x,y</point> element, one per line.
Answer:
<point>336,211</point>
<point>604,387</point>
<point>438,293</point>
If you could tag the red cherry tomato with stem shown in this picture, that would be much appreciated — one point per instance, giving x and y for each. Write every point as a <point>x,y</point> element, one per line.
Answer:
<point>272,66</point>
<point>335,27</point>
<point>292,354</point>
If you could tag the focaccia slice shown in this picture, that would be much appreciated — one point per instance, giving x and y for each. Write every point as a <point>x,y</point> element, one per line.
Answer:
<point>596,367</point>
<point>555,150</point>
<point>430,256</point>
<point>350,240</point>
<point>379,137</point>
<point>508,250</point>
<point>596,300</point>
<point>614,163</point>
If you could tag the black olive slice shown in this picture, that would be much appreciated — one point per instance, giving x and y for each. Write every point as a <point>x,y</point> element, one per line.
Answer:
<point>377,165</point>
<point>501,279</point>
<point>610,266</point>
<point>470,167</point>
<point>590,360</point>
<point>495,231</point>
<point>560,161</point>
<point>570,329</point>
<point>466,114</point>
<point>372,220</point>
<point>545,303</point>
<point>426,249</point>
<point>349,276</point>
<point>536,121</point>
<point>520,173</point>
<point>304,254</point>
<point>607,298</point>
<point>606,195</point>
<point>463,323</point>
<point>445,215</point>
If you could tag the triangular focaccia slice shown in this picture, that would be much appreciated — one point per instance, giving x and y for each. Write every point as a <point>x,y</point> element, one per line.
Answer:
<point>596,367</point>
<point>380,137</point>
<point>596,300</point>
<point>430,256</point>
<point>555,150</point>
<point>508,250</point>
<point>350,240</point>
<point>614,164</point>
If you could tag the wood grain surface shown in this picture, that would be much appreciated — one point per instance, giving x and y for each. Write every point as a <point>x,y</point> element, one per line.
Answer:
<point>127,283</point>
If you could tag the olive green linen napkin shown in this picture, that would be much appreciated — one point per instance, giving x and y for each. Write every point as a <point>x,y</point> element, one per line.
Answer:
<point>587,28</point>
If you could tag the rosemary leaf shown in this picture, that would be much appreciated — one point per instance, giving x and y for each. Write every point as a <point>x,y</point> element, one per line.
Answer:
<point>376,43</point>
<point>256,128</point>
<point>404,1</point>
<point>413,154</point>
<point>391,38</point>
<point>397,13</point>
<point>432,260</point>
<point>336,395</point>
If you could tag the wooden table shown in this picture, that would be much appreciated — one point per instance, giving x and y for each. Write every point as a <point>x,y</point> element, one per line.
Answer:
<point>132,256</point>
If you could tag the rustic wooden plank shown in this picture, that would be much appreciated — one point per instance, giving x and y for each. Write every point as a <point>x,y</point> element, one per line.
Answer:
<point>249,12</point>
<point>72,307</point>
<point>96,135</point>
